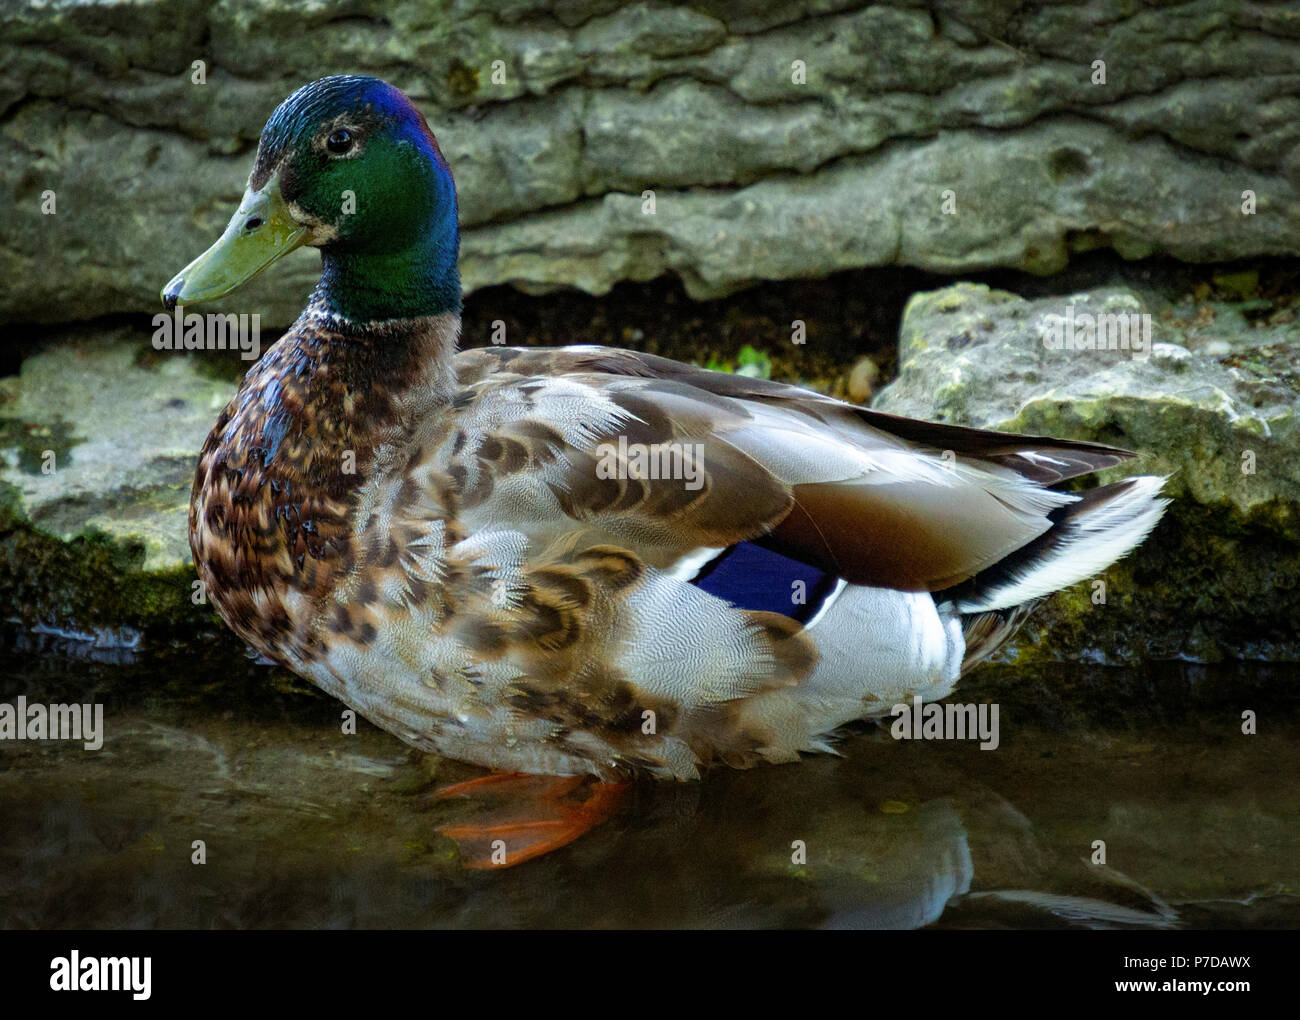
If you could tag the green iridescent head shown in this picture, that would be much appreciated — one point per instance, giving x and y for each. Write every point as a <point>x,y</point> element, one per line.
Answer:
<point>348,165</point>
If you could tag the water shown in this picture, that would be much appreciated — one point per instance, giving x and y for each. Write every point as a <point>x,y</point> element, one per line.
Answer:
<point>307,827</point>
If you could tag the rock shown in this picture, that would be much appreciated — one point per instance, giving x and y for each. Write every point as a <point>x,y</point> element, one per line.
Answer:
<point>99,437</point>
<point>1213,405</point>
<point>862,380</point>
<point>780,141</point>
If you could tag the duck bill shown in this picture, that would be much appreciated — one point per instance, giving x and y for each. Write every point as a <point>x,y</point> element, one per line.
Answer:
<point>260,232</point>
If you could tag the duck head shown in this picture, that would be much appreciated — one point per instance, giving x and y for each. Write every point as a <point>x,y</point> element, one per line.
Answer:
<point>348,165</point>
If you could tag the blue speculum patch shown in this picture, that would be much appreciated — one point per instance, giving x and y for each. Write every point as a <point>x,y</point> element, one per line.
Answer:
<point>752,577</point>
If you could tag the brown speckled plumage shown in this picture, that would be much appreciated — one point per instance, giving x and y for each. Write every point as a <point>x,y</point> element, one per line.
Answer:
<point>473,585</point>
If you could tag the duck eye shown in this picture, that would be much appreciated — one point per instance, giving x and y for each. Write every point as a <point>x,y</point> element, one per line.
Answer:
<point>339,142</point>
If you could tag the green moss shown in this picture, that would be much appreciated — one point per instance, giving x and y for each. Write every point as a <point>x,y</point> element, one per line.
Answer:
<point>92,582</point>
<point>33,439</point>
<point>1239,286</point>
<point>462,80</point>
<point>223,366</point>
<point>1175,598</point>
<point>754,363</point>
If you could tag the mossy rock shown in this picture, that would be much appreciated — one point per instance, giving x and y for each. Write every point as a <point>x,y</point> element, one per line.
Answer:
<point>97,453</point>
<point>1212,404</point>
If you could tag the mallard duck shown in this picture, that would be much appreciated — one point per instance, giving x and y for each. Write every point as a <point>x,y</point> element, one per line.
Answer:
<point>586,561</point>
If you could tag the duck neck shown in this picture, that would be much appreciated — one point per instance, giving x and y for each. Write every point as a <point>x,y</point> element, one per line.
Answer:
<point>403,362</point>
<point>393,316</point>
<point>418,282</point>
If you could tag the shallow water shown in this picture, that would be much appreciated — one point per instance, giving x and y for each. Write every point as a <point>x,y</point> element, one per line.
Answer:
<point>307,827</point>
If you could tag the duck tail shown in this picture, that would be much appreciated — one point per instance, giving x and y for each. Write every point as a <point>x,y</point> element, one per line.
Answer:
<point>984,633</point>
<point>1086,536</point>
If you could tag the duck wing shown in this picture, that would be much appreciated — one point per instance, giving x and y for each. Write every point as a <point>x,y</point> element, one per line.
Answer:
<point>873,498</point>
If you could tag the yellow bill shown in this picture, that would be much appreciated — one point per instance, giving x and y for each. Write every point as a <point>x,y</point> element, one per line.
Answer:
<point>260,232</point>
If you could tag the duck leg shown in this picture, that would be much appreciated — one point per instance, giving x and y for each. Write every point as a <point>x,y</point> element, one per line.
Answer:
<point>538,814</point>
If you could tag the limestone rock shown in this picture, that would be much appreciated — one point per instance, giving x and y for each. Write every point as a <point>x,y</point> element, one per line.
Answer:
<point>1215,405</point>
<point>781,141</point>
<point>98,446</point>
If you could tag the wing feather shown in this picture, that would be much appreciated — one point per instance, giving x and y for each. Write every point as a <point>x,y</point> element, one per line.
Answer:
<point>871,497</point>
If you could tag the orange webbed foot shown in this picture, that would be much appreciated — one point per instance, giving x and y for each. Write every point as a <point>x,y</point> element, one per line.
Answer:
<point>539,817</point>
